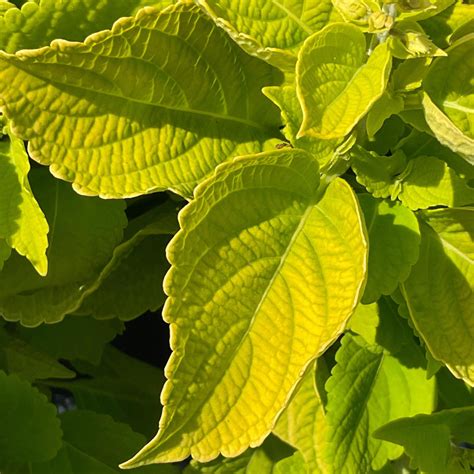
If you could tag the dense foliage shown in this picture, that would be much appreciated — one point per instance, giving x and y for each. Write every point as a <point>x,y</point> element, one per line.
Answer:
<point>297,176</point>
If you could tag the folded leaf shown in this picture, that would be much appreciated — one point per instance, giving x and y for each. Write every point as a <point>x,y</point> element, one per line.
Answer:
<point>394,241</point>
<point>37,23</point>
<point>83,234</point>
<point>336,82</point>
<point>428,439</point>
<point>30,429</point>
<point>131,120</point>
<point>22,222</point>
<point>367,389</point>
<point>439,293</point>
<point>262,251</point>
<point>273,31</point>
<point>385,107</point>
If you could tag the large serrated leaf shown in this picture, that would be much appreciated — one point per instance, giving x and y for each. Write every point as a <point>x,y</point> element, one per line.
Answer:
<point>22,223</point>
<point>394,240</point>
<point>262,252</point>
<point>132,121</point>
<point>367,389</point>
<point>37,23</point>
<point>439,293</point>
<point>273,31</point>
<point>336,82</point>
<point>30,429</point>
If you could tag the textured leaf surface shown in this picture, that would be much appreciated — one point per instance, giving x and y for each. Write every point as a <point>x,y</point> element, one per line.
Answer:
<point>385,107</point>
<point>74,338</point>
<point>394,241</point>
<point>273,31</point>
<point>37,23</point>
<point>30,429</point>
<point>256,235</point>
<point>439,293</point>
<point>132,121</point>
<point>94,443</point>
<point>22,223</point>
<point>336,82</point>
<point>427,439</point>
<point>367,389</point>
<point>83,233</point>
<point>303,425</point>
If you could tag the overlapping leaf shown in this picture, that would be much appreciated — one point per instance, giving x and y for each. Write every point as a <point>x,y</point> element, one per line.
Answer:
<point>22,222</point>
<point>120,115</point>
<point>439,293</point>
<point>30,429</point>
<point>336,82</point>
<point>367,389</point>
<point>394,239</point>
<point>37,23</point>
<point>273,31</point>
<point>259,254</point>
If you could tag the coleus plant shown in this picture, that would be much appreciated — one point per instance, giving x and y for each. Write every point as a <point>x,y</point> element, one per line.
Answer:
<point>313,161</point>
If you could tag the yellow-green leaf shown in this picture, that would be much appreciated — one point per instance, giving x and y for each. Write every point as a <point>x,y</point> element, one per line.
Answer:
<point>337,82</point>
<point>266,270</point>
<point>22,222</point>
<point>130,120</point>
<point>438,292</point>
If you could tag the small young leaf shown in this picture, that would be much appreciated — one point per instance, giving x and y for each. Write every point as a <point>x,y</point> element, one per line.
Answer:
<point>367,389</point>
<point>385,107</point>
<point>428,439</point>
<point>256,234</point>
<point>336,83</point>
<point>30,429</point>
<point>438,291</point>
<point>394,241</point>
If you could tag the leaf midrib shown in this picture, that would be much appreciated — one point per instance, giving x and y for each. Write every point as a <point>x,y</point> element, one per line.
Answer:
<point>204,113</point>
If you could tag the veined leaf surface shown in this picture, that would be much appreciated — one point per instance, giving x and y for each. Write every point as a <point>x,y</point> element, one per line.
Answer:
<point>117,117</point>
<point>37,23</point>
<point>368,388</point>
<point>273,31</point>
<point>22,222</point>
<point>265,272</point>
<point>439,292</point>
<point>336,82</point>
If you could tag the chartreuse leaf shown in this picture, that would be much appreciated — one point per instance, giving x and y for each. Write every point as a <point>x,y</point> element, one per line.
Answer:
<point>94,443</point>
<point>368,388</point>
<point>129,98</point>
<point>428,439</point>
<point>30,429</point>
<point>420,9</point>
<point>273,31</point>
<point>388,105</point>
<point>83,234</point>
<point>424,182</point>
<point>37,23</point>
<point>22,223</point>
<point>256,234</point>
<point>24,360</point>
<point>325,151</point>
<point>449,98</point>
<point>336,82</point>
<point>130,284</point>
<point>74,338</point>
<point>438,292</point>
<point>394,241</point>
<point>5,252</point>
<point>452,392</point>
<point>302,424</point>
<point>122,387</point>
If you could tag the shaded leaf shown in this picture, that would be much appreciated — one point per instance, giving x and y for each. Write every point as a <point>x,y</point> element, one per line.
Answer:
<point>367,389</point>
<point>131,121</point>
<point>336,82</point>
<point>385,107</point>
<point>30,429</point>
<point>256,234</point>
